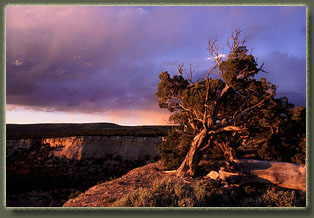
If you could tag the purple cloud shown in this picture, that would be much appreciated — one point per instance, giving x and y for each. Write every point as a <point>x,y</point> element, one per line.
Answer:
<point>97,59</point>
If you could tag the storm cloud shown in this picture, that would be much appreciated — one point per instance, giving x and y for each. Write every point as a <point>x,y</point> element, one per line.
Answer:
<point>107,59</point>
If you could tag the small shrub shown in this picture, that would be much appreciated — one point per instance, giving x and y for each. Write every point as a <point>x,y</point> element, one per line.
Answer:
<point>140,198</point>
<point>174,149</point>
<point>273,197</point>
<point>300,155</point>
<point>112,178</point>
<point>165,192</point>
<point>209,193</point>
<point>74,194</point>
<point>200,190</point>
<point>108,201</point>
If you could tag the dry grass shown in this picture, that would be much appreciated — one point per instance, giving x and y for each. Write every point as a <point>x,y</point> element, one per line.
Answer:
<point>165,192</point>
<point>150,186</point>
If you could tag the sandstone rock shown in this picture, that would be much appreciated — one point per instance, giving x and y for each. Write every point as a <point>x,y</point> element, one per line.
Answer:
<point>212,175</point>
<point>98,147</point>
<point>70,162</point>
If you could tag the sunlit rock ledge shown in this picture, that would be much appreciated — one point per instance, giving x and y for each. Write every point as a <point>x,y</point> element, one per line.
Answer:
<point>86,147</point>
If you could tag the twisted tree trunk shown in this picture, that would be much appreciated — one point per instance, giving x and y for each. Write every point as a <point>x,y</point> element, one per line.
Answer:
<point>192,159</point>
<point>245,171</point>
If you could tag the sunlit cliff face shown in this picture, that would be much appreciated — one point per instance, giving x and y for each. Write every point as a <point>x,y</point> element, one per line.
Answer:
<point>96,147</point>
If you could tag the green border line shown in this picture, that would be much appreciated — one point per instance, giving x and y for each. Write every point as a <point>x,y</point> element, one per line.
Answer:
<point>217,211</point>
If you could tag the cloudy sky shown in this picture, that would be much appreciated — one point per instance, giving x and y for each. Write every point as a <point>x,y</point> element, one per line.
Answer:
<point>101,63</point>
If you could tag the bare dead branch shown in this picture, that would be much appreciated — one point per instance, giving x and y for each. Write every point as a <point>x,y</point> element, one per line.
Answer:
<point>211,69</point>
<point>180,69</point>
<point>190,75</point>
<point>236,41</point>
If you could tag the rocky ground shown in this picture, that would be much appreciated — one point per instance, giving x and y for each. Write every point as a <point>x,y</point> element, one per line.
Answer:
<point>104,194</point>
<point>36,178</point>
<point>138,188</point>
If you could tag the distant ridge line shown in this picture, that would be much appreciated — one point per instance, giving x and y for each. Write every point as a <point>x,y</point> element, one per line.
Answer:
<point>52,130</point>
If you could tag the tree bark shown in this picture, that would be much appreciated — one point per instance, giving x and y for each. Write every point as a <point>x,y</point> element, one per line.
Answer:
<point>192,159</point>
<point>283,174</point>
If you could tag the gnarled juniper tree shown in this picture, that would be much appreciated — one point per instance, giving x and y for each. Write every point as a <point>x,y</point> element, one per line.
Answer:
<point>218,109</point>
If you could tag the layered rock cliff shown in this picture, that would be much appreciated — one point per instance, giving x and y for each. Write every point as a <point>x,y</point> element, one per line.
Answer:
<point>44,172</point>
<point>93,147</point>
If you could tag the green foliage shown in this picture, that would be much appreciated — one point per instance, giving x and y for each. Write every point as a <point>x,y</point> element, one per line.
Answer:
<point>239,61</point>
<point>174,149</point>
<point>300,154</point>
<point>169,87</point>
<point>274,149</point>
<point>299,120</point>
<point>288,142</point>
<point>74,194</point>
<point>236,98</point>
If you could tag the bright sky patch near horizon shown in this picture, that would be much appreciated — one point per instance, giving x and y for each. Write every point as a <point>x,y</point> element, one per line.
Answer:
<point>80,64</point>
